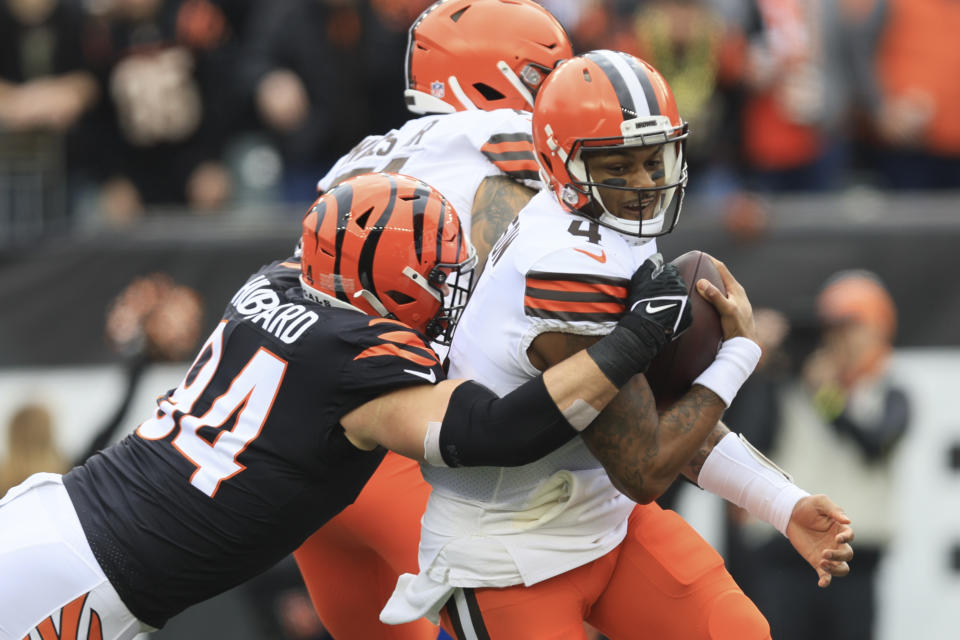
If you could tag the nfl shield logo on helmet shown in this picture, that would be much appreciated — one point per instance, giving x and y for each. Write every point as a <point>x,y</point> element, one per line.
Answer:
<point>436,89</point>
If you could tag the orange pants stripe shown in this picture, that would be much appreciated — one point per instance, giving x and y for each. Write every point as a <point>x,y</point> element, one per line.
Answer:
<point>664,582</point>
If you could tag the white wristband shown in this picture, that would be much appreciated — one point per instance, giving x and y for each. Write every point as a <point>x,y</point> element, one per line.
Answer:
<point>737,472</point>
<point>735,361</point>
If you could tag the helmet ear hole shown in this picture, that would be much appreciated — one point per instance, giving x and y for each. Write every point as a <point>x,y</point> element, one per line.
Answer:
<point>546,162</point>
<point>488,92</point>
<point>361,220</point>
<point>400,297</point>
<point>455,17</point>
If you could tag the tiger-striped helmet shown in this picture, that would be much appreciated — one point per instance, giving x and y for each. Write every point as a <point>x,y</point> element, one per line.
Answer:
<point>390,245</point>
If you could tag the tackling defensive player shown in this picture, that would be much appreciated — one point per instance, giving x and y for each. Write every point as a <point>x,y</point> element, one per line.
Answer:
<point>535,550</point>
<point>315,368</point>
<point>474,66</point>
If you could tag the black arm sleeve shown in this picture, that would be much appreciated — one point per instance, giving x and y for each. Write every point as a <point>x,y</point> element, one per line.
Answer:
<point>480,429</point>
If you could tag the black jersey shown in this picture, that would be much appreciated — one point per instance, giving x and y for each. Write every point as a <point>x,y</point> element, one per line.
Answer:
<point>246,457</point>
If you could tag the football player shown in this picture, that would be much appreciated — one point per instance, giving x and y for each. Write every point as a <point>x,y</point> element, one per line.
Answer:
<point>473,68</point>
<point>316,367</point>
<point>534,551</point>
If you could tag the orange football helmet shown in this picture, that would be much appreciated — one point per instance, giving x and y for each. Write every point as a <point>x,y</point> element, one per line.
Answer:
<point>605,100</point>
<point>389,245</point>
<point>481,54</point>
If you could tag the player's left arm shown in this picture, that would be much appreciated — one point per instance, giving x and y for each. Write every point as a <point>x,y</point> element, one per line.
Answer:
<point>496,203</point>
<point>462,423</point>
<point>817,528</point>
<point>727,465</point>
<point>466,424</point>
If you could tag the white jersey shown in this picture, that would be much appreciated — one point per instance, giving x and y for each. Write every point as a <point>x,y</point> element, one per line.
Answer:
<point>489,526</point>
<point>451,152</point>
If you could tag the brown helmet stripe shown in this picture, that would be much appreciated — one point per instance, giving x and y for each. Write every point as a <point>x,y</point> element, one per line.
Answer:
<point>627,106</point>
<point>652,103</point>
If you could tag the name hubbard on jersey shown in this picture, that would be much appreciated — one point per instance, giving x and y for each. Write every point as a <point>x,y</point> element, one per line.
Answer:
<point>257,302</point>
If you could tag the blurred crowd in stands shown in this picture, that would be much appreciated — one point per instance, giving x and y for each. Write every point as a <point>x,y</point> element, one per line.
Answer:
<point>219,105</point>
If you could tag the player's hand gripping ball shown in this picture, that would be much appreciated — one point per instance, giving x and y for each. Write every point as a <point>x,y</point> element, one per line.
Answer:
<point>679,363</point>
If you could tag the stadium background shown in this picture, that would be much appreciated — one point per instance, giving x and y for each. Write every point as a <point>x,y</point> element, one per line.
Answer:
<point>860,186</point>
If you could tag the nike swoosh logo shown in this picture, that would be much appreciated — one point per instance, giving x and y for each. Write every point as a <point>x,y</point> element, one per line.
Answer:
<point>599,258</point>
<point>652,309</point>
<point>430,377</point>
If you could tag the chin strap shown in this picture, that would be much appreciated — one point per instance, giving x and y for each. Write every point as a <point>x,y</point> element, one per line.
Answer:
<point>373,301</point>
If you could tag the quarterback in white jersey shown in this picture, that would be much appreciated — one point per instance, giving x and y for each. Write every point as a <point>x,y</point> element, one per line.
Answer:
<point>473,68</point>
<point>535,551</point>
<point>550,272</point>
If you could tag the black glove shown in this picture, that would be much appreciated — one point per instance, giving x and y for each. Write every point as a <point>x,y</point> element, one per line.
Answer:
<point>658,310</point>
<point>658,305</point>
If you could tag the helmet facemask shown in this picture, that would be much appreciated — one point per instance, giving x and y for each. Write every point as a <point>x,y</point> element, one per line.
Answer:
<point>647,131</point>
<point>448,283</point>
<point>453,282</point>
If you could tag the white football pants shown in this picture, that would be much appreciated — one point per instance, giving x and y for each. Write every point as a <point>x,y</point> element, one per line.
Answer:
<point>50,583</point>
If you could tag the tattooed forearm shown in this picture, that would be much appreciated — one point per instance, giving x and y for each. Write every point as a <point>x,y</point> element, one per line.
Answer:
<point>686,414</point>
<point>625,439</point>
<point>643,454</point>
<point>692,470</point>
<point>496,203</point>
<point>641,451</point>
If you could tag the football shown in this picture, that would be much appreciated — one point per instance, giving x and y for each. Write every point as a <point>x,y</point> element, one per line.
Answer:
<point>679,363</point>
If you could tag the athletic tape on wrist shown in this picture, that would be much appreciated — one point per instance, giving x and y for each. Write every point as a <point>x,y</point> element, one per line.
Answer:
<point>431,445</point>
<point>737,472</point>
<point>735,361</point>
<point>580,414</point>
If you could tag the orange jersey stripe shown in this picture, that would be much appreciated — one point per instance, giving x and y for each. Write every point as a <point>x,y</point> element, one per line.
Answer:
<point>394,350</point>
<point>512,166</point>
<point>506,146</point>
<point>513,154</point>
<point>616,308</point>
<point>574,286</point>
<point>404,338</point>
<point>376,321</point>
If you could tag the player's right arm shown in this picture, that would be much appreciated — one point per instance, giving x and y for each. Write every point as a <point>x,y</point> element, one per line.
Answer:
<point>498,200</point>
<point>643,452</point>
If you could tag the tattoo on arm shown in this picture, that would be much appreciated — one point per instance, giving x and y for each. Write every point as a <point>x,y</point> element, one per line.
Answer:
<point>642,451</point>
<point>496,203</point>
<point>620,437</point>
<point>692,469</point>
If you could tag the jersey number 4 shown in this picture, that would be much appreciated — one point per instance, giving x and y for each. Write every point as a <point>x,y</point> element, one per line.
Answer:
<point>245,405</point>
